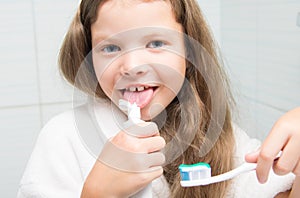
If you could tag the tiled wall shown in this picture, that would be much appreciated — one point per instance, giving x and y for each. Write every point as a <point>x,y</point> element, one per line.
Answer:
<point>261,44</point>
<point>212,10</point>
<point>31,89</point>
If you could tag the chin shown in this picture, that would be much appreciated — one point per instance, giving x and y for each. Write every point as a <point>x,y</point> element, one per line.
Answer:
<point>151,111</point>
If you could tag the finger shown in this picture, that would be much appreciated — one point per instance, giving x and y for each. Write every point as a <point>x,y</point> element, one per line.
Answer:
<point>288,159</point>
<point>273,144</point>
<point>122,160</point>
<point>145,129</point>
<point>156,171</point>
<point>296,170</point>
<point>146,177</point>
<point>155,159</point>
<point>252,157</point>
<point>153,144</point>
<point>296,188</point>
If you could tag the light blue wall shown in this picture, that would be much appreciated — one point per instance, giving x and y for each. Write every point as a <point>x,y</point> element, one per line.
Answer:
<point>31,90</point>
<point>261,43</point>
<point>212,12</point>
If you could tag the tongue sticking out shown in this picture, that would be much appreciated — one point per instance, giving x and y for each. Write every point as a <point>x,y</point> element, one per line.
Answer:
<point>141,98</point>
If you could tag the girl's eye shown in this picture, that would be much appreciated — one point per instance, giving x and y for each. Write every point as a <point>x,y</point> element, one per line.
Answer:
<point>111,49</point>
<point>155,44</point>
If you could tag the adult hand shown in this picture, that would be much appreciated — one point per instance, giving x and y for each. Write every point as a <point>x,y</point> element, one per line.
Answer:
<point>285,137</point>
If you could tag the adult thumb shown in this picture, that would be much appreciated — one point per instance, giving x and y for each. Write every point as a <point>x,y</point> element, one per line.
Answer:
<point>252,156</point>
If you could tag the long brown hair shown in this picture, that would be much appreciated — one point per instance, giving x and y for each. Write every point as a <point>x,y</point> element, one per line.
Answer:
<point>192,114</point>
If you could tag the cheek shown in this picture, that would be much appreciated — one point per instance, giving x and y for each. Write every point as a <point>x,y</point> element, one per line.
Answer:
<point>160,102</point>
<point>174,62</point>
<point>181,65</point>
<point>173,73</point>
<point>98,65</point>
<point>105,75</point>
<point>105,80</point>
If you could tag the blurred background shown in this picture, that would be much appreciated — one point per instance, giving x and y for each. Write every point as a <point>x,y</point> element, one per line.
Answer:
<point>259,41</point>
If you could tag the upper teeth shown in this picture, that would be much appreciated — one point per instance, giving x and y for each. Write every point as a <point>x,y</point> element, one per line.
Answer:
<point>132,89</point>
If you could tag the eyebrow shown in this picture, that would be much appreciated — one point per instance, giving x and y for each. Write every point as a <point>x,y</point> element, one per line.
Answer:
<point>99,37</point>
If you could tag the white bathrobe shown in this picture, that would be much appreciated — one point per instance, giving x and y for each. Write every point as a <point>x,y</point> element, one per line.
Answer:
<point>64,154</point>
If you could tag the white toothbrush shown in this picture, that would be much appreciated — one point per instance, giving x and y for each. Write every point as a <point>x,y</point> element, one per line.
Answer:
<point>246,167</point>
<point>200,174</point>
<point>134,117</point>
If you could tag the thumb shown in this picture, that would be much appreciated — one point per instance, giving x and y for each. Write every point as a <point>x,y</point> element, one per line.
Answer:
<point>252,157</point>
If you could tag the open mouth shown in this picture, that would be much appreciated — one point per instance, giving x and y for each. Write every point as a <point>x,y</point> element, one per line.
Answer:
<point>139,94</point>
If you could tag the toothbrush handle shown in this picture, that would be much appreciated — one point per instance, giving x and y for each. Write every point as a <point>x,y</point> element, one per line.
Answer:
<point>134,117</point>
<point>246,167</point>
<point>144,193</point>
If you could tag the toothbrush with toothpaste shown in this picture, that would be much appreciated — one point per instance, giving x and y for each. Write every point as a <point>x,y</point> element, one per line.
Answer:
<point>134,117</point>
<point>200,174</point>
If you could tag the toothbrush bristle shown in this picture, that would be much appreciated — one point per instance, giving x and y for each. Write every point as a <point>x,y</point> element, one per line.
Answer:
<point>195,171</point>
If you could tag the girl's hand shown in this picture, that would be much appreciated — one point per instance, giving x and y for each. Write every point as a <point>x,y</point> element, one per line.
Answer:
<point>127,163</point>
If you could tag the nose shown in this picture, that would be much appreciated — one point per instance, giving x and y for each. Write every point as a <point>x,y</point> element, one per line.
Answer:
<point>133,65</point>
<point>136,71</point>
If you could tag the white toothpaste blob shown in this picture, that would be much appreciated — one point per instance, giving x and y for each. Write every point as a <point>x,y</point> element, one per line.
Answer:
<point>133,113</point>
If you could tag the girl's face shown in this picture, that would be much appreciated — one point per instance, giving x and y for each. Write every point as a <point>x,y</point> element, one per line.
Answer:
<point>138,53</point>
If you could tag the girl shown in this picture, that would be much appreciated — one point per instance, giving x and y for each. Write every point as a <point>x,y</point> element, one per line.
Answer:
<point>138,51</point>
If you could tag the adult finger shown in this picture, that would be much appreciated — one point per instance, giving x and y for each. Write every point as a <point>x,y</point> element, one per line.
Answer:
<point>296,170</point>
<point>252,157</point>
<point>289,158</point>
<point>273,144</point>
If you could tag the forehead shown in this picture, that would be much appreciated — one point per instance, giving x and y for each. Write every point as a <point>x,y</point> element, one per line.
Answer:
<point>115,16</point>
<point>126,4</point>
